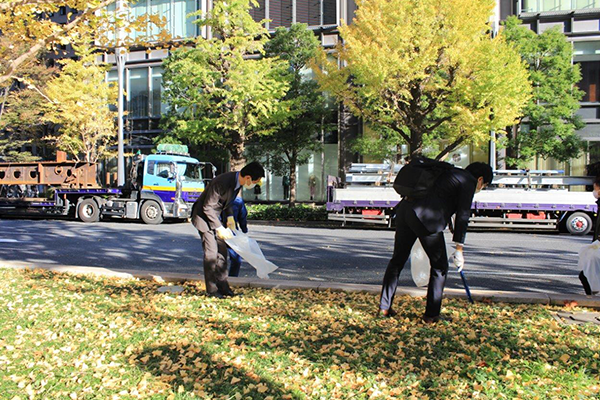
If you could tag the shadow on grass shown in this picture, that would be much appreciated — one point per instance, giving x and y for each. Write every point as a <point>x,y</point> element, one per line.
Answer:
<point>335,333</point>
<point>196,370</point>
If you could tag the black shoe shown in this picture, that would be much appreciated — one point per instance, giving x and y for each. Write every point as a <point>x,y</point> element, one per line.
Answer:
<point>433,320</point>
<point>217,295</point>
<point>386,313</point>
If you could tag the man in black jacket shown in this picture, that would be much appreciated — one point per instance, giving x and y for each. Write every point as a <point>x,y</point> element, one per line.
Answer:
<point>210,213</point>
<point>425,219</point>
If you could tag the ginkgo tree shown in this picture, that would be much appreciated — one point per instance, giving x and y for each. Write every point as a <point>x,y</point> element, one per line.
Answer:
<point>27,29</point>
<point>77,101</point>
<point>550,121</point>
<point>427,71</point>
<point>222,91</point>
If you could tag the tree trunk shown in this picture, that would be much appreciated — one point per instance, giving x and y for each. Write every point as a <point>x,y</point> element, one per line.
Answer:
<point>237,159</point>
<point>511,152</point>
<point>4,97</point>
<point>416,143</point>
<point>293,182</point>
<point>323,181</point>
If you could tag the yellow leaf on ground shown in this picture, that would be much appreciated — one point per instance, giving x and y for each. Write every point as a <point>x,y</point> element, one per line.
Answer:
<point>235,380</point>
<point>564,358</point>
<point>262,388</point>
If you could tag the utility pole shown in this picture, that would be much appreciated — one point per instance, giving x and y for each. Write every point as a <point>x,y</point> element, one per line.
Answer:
<point>121,58</point>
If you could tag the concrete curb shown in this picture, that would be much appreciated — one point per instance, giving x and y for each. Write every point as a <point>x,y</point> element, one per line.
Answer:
<point>486,296</point>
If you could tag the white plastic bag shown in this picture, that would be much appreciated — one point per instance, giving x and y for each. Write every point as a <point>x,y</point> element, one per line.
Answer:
<point>419,265</point>
<point>589,263</point>
<point>249,250</point>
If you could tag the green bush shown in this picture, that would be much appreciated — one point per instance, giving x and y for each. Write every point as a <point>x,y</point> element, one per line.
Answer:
<point>278,212</point>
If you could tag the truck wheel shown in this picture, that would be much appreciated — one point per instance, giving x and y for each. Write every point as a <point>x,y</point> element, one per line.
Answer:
<point>151,213</point>
<point>88,211</point>
<point>579,223</point>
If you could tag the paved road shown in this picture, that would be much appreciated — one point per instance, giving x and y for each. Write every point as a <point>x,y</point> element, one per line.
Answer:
<point>494,260</point>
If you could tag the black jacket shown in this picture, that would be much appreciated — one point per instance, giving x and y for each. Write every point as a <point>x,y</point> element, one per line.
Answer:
<point>452,194</point>
<point>215,199</point>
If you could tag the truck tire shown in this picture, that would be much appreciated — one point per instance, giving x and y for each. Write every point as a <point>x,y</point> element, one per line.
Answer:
<point>88,211</point>
<point>579,223</point>
<point>151,213</point>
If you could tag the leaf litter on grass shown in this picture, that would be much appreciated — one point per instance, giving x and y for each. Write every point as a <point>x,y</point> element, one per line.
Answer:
<point>81,337</point>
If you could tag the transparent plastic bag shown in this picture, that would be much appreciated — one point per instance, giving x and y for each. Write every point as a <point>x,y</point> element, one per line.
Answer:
<point>249,250</point>
<point>589,263</point>
<point>419,265</point>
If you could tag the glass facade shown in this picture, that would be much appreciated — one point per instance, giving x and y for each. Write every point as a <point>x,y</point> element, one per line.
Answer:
<point>143,101</point>
<point>528,6</point>
<point>174,12</point>
<point>138,92</point>
<point>320,165</point>
<point>158,107</point>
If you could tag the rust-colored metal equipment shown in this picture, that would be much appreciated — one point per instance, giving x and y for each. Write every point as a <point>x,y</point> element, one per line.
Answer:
<point>64,174</point>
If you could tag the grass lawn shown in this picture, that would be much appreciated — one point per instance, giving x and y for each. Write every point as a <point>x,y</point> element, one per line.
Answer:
<point>83,337</point>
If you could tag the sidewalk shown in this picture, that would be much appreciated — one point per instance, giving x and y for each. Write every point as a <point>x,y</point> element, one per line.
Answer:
<point>477,295</point>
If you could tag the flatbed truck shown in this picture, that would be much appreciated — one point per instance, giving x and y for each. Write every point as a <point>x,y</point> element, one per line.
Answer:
<point>162,185</point>
<point>516,200</point>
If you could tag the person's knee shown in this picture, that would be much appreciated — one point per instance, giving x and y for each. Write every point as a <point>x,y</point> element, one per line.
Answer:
<point>210,259</point>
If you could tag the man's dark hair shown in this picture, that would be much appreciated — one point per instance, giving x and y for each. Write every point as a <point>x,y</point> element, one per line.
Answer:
<point>478,169</point>
<point>254,169</point>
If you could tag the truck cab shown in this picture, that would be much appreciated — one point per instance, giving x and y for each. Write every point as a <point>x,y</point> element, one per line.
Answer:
<point>168,183</point>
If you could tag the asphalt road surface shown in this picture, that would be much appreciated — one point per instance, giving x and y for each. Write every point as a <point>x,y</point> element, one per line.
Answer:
<point>494,260</point>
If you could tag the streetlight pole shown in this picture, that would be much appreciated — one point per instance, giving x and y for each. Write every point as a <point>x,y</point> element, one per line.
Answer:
<point>120,55</point>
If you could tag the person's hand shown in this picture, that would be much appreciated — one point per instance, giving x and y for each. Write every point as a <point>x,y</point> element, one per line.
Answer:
<point>459,259</point>
<point>224,233</point>
<point>231,223</point>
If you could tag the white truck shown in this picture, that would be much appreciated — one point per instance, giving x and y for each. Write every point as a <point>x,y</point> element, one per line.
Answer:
<point>516,200</point>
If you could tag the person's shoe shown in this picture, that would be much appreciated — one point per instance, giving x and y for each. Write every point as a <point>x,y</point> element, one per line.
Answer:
<point>217,295</point>
<point>386,313</point>
<point>230,293</point>
<point>433,320</point>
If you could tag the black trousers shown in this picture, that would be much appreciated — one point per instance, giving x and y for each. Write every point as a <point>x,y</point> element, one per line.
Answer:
<point>408,230</point>
<point>215,263</point>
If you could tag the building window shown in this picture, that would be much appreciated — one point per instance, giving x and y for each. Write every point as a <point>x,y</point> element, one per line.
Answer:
<point>158,108</point>
<point>280,13</point>
<point>589,50</point>
<point>528,6</point>
<point>175,13</point>
<point>329,12</point>
<point>310,12</point>
<point>138,92</point>
<point>590,81</point>
<point>258,13</point>
<point>182,26</point>
<point>143,100</point>
<point>112,79</point>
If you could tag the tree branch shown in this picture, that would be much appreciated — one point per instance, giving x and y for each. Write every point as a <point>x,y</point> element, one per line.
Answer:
<point>437,123</point>
<point>450,148</point>
<point>32,86</point>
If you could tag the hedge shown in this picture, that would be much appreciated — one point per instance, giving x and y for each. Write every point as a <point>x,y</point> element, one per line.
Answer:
<point>278,212</point>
